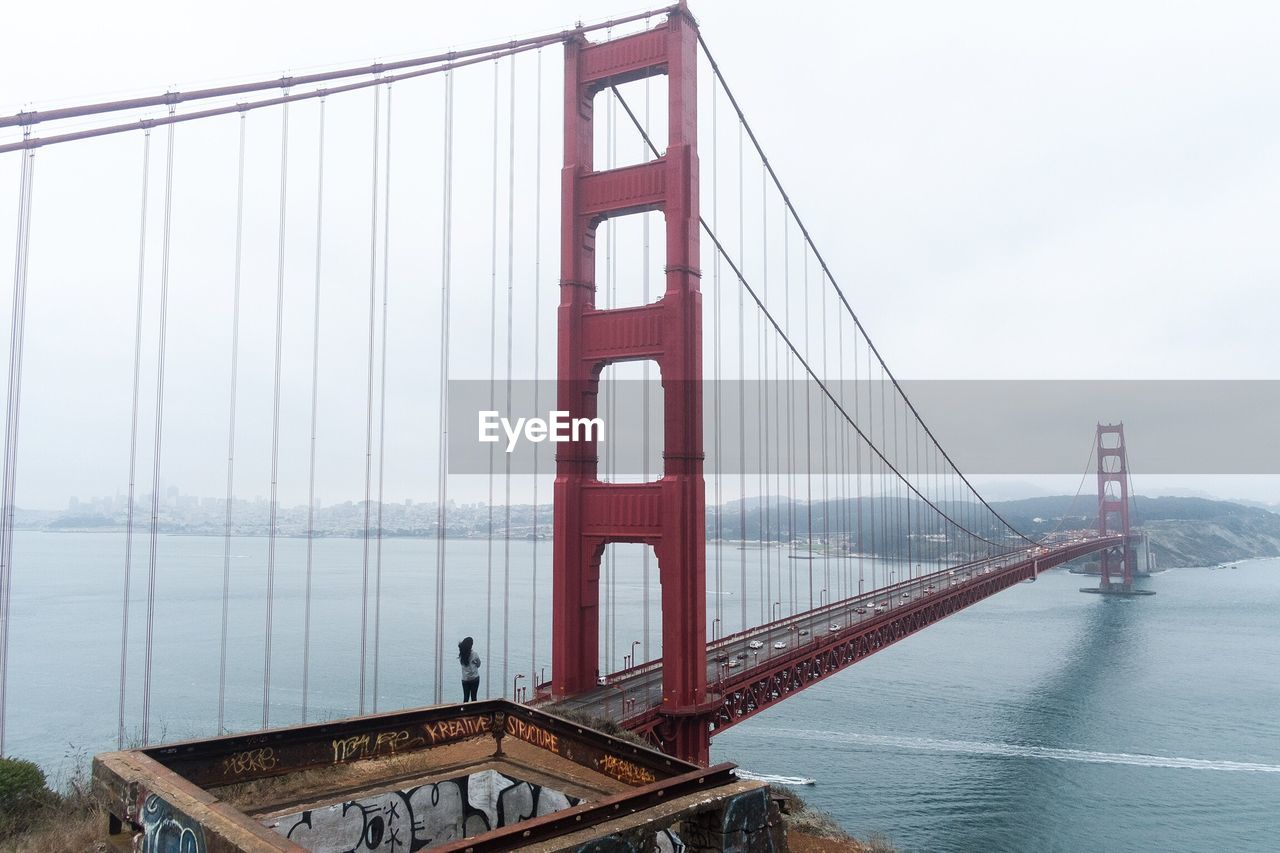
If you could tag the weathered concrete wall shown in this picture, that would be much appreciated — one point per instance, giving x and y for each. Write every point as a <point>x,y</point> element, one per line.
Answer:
<point>421,817</point>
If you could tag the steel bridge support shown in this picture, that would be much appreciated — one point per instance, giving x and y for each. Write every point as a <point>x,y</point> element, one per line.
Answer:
<point>1113,502</point>
<point>668,514</point>
<point>1113,510</point>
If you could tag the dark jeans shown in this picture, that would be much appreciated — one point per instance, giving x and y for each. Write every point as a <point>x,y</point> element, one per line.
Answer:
<point>469,689</point>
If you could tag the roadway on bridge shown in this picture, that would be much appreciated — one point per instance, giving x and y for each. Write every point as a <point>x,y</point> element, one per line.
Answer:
<point>630,693</point>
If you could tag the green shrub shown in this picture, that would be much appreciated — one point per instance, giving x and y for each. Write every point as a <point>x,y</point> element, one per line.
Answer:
<point>23,795</point>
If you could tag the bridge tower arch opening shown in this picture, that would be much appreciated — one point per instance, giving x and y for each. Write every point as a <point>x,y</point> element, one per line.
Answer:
<point>667,514</point>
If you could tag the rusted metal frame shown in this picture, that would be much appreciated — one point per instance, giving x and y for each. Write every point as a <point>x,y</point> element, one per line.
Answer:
<point>524,833</point>
<point>240,758</point>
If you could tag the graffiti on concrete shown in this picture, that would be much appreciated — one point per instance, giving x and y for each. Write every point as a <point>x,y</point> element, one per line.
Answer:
<point>421,817</point>
<point>167,830</point>
<point>610,844</point>
<point>667,841</point>
<point>741,824</point>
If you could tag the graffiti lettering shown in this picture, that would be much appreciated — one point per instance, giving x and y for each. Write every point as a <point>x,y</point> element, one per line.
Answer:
<point>624,771</point>
<point>535,735</point>
<point>362,747</point>
<point>450,730</point>
<point>250,761</point>
<point>167,830</point>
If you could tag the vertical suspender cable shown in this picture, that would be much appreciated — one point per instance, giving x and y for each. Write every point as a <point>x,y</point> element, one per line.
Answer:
<point>791,407</point>
<point>493,385</point>
<point>742,402</point>
<point>841,494</point>
<point>762,382</point>
<point>382,402</point>
<point>368,415</point>
<point>826,470</point>
<point>18,323</point>
<point>275,420</point>
<point>537,374</point>
<point>446,269</point>
<point>609,565</point>
<point>612,450</point>
<point>857,449</point>
<point>133,438</point>
<point>644,378</point>
<point>315,396</point>
<point>776,388</point>
<point>511,271</point>
<point>808,436</point>
<point>159,434</point>
<point>231,435</point>
<point>717,369</point>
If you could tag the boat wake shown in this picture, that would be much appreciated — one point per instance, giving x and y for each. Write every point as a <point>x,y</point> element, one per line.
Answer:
<point>774,780</point>
<point>1010,750</point>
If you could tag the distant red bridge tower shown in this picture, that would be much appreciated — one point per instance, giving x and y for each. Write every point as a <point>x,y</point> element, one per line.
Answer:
<point>1113,514</point>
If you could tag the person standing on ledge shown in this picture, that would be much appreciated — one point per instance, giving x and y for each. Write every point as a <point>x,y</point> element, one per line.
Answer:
<point>470,669</point>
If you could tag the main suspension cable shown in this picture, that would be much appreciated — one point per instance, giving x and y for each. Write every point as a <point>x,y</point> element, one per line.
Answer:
<point>480,54</point>
<point>804,362</point>
<point>831,278</point>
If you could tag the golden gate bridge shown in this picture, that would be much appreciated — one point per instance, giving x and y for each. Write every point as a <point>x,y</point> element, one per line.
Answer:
<point>682,260</point>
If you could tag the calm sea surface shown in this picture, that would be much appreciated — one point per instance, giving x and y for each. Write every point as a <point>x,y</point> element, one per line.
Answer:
<point>1040,720</point>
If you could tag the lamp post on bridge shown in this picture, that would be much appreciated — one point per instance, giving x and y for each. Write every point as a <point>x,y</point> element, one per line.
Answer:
<point>515,689</point>
<point>634,643</point>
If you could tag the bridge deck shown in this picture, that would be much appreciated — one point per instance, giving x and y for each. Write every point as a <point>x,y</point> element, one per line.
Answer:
<point>746,672</point>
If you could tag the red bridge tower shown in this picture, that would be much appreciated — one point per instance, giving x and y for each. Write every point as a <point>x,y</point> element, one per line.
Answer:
<point>1113,513</point>
<point>669,513</point>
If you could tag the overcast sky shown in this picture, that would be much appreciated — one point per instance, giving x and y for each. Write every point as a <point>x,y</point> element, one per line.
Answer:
<point>1005,190</point>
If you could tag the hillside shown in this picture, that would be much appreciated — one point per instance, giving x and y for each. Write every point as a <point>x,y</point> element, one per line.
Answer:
<point>1184,531</point>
